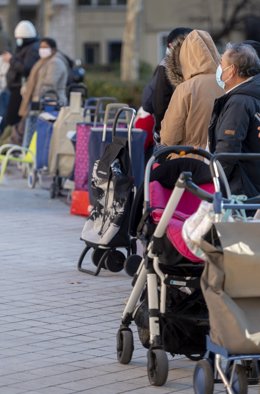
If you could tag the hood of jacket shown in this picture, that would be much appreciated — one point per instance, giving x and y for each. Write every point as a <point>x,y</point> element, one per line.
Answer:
<point>197,55</point>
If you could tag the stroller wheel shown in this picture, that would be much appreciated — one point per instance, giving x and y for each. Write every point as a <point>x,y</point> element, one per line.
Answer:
<point>157,366</point>
<point>195,357</point>
<point>239,383</point>
<point>125,346</point>
<point>115,261</point>
<point>96,256</point>
<point>203,378</point>
<point>132,263</point>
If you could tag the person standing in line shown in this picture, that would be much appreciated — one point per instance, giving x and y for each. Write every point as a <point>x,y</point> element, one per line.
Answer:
<point>193,70</point>
<point>21,62</point>
<point>48,76</point>
<point>50,73</point>
<point>233,126</point>
<point>157,93</point>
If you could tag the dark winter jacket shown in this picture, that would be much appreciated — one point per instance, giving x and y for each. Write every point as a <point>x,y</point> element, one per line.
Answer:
<point>157,94</point>
<point>22,62</point>
<point>233,128</point>
<point>20,66</point>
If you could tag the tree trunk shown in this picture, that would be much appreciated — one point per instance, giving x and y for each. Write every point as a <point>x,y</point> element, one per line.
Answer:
<point>47,12</point>
<point>13,18</point>
<point>130,50</point>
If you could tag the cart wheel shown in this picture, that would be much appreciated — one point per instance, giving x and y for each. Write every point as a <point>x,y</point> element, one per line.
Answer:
<point>97,255</point>
<point>32,178</point>
<point>195,357</point>
<point>157,366</point>
<point>132,263</point>
<point>239,383</point>
<point>125,346</point>
<point>203,378</point>
<point>115,261</point>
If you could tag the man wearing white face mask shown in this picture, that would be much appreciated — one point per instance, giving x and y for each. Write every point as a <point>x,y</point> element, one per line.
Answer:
<point>233,124</point>
<point>49,73</point>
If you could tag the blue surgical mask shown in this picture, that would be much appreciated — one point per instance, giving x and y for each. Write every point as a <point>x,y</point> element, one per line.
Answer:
<point>220,83</point>
<point>219,72</point>
<point>19,42</point>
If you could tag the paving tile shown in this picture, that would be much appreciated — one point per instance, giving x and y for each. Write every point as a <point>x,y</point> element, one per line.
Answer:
<point>58,326</point>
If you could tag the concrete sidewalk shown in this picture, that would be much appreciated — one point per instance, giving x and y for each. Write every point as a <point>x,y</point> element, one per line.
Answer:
<point>58,326</point>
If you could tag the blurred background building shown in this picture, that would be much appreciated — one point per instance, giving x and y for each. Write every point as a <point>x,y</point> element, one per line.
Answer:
<point>93,30</point>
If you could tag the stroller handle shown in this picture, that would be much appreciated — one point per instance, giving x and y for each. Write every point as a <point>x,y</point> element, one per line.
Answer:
<point>185,182</point>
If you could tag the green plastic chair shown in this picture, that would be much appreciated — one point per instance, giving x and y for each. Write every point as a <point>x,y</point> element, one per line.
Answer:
<point>18,154</point>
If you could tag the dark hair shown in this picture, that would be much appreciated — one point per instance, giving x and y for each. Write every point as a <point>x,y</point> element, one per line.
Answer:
<point>175,33</point>
<point>50,41</point>
<point>254,44</point>
<point>245,58</point>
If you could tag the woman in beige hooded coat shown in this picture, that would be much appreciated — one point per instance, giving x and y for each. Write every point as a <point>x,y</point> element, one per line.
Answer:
<point>193,71</point>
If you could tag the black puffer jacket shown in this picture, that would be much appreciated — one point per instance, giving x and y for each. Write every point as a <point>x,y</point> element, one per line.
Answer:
<point>233,128</point>
<point>22,62</point>
<point>20,66</point>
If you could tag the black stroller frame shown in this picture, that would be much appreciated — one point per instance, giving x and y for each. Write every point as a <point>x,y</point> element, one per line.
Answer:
<point>240,370</point>
<point>107,256</point>
<point>158,280</point>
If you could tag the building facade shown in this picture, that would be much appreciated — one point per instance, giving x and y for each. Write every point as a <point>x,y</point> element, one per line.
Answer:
<point>93,29</point>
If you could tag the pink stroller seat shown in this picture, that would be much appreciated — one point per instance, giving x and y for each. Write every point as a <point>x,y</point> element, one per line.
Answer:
<point>188,204</point>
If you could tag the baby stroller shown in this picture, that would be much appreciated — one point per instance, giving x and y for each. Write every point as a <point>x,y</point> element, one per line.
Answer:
<point>230,284</point>
<point>166,302</point>
<point>106,229</point>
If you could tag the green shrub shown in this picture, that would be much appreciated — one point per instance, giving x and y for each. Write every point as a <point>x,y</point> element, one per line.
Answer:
<point>104,81</point>
<point>124,92</point>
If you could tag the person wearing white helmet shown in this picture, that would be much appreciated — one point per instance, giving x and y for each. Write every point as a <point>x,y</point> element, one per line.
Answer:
<point>21,62</point>
<point>24,30</point>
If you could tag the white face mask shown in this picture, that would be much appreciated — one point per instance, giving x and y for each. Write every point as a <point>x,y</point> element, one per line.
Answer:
<point>168,51</point>
<point>19,42</point>
<point>219,72</point>
<point>44,52</point>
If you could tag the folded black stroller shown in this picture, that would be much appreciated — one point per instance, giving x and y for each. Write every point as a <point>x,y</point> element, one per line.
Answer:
<point>106,229</point>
